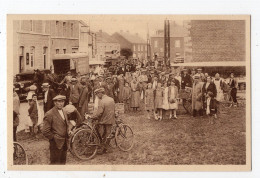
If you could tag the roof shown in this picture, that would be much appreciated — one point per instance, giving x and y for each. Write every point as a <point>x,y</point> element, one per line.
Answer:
<point>135,39</point>
<point>103,37</point>
<point>175,31</point>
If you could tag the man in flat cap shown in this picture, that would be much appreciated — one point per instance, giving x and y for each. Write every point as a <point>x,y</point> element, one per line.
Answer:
<point>49,94</point>
<point>55,128</point>
<point>199,73</point>
<point>105,116</point>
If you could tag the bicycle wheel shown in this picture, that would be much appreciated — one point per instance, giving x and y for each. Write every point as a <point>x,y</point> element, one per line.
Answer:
<point>19,155</point>
<point>85,144</point>
<point>187,105</point>
<point>112,143</point>
<point>124,137</point>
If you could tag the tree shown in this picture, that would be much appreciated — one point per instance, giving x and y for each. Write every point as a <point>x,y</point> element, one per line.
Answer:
<point>126,52</point>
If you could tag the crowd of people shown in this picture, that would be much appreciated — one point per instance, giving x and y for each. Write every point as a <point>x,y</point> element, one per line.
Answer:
<point>152,89</point>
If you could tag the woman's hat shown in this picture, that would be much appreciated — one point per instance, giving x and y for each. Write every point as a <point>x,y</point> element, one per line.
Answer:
<point>99,90</point>
<point>45,85</point>
<point>59,97</point>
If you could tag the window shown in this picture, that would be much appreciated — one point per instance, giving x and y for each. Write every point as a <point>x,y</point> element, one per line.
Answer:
<point>71,29</point>
<point>45,57</point>
<point>32,50</point>
<point>57,28</point>
<point>75,50</point>
<point>43,26</point>
<point>177,43</point>
<point>57,51</point>
<point>64,28</point>
<point>177,54</point>
<point>133,47</point>
<point>141,47</point>
<point>31,25</point>
<point>155,44</point>
<point>138,46</point>
<point>21,59</point>
<point>64,51</point>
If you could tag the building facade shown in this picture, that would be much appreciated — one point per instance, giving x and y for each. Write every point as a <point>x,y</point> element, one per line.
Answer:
<point>215,40</point>
<point>176,43</point>
<point>31,45</point>
<point>107,47</point>
<point>133,42</point>
<point>40,44</point>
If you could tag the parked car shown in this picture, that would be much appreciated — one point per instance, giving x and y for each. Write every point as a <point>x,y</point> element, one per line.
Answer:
<point>22,83</point>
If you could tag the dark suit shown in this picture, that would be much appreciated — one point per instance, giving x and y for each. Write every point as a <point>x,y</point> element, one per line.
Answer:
<point>186,81</point>
<point>55,128</point>
<point>75,94</point>
<point>49,104</point>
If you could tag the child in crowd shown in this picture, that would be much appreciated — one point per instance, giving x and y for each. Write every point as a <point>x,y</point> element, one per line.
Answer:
<point>211,107</point>
<point>33,113</point>
<point>126,96</point>
<point>173,104</point>
<point>149,100</point>
<point>165,104</point>
<point>158,101</point>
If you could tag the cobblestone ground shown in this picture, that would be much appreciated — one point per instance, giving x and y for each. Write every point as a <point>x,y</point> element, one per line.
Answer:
<point>169,142</point>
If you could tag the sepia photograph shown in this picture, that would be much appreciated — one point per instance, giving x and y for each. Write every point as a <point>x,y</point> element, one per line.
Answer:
<point>129,92</point>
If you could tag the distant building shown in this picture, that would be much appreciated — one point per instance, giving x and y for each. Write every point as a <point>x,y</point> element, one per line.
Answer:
<point>133,42</point>
<point>214,40</point>
<point>48,44</point>
<point>177,34</point>
<point>107,47</point>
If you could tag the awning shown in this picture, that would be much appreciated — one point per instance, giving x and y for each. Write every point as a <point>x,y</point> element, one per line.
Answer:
<point>69,56</point>
<point>210,64</point>
<point>96,62</point>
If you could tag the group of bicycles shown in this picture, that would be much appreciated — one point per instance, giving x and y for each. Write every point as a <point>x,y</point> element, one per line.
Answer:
<point>85,140</point>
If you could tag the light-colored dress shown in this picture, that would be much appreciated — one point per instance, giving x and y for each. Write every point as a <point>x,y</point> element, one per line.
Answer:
<point>220,95</point>
<point>165,99</point>
<point>135,95</point>
<point>173,96</point>
<point>149,99</point>
<point>158,102</point>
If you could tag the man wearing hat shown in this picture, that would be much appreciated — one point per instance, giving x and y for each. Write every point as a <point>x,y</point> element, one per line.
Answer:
<point>67,78</point>
<point>55,128</point>
<point>75,90</point>
<point>105,115</point>
<point>197,103</point>
<point>110,87</point>
<point>49,94</point>
<point>186,79</point>
<point>199,73</point>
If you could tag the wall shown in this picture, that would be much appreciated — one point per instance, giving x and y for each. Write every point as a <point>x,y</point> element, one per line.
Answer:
<point>217,40</point>
<point>139,52</point>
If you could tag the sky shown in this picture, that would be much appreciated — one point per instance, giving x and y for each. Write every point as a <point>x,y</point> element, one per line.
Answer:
<point>132,23</point>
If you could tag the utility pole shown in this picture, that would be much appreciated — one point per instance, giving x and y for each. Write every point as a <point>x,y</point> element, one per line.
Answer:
<point>167,45</point>
<point>148,46</point>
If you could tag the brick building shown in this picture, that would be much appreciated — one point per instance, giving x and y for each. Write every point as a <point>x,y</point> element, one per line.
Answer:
<point>41,44</point>
<point>133,42</point>
<point>107,47</point>
<point>177,34</point>
<point>215,40</point>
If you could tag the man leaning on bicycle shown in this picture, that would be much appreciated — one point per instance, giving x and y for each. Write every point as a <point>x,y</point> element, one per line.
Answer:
<point>105,115</point>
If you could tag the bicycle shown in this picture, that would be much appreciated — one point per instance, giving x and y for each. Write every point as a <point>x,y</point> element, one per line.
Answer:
<point>185,96</point>
<point>86,140</point>
<point>19,154</point>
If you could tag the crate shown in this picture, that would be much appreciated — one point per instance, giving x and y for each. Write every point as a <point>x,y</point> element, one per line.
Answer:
<point>120,108</point>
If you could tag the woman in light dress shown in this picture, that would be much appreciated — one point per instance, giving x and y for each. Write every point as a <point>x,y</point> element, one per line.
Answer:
<point>165,105</point>
<point>173,103</point>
